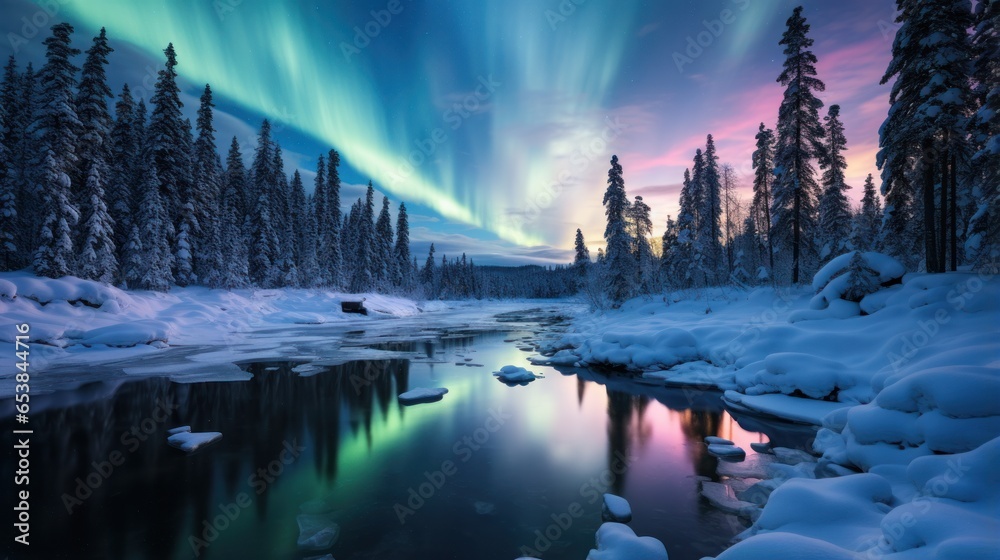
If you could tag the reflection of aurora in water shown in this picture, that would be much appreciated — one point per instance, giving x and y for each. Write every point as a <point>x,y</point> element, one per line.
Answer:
<point>363,452</point>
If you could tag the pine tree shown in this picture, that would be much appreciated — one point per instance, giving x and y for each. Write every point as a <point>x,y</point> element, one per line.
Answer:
<point>58,128</point>
<point>97,259</point>
<point>926,124</point>
<point>668,251</point>
<point>581,258</point>
<point>730,208</point>
<point>303,232</point>
<point>233,216</point>
<point>427,273</point>
<point>8,192</point>
<point>621,265</point>
<point>262,237</point>
<point>982,243</point>
<point>20,96</point>
<point>763,165</point>
<point>334,256</point>
<point>321,219</point>
<point>170,142</point>
<point>123,175</point>
<point>683,255</point>
<point>183,251</point>
<point>385,264</point>
<point>642,253</point>
<point>92,109</point>
<point>793,204</point>
<point>364,267</point>
<point>206,188</point>
<point>862,280</point>
<point>154,229</point>
<point>868,220</point>
<point>287,273</point>
<point>710,212</point>
<point>402,249</point>
<point>834,209</point>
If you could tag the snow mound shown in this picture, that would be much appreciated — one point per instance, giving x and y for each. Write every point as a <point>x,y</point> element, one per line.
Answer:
<point>786,546</point>
<point>192,441</point>
<point>616,508</point>
<point>422,395</point>
<point>618,542</point>
<point>642,350</point>
<point>317,531</point>
<point>795,373</point>
<point>889,270</point>
<point>846,281</point>
<point>178,430</point>
<point>729,452</point>
<point>718,440</point>
<point>515,375</point>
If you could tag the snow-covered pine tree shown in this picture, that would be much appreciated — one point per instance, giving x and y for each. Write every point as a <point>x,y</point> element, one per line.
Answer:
<point>668,252</point>
<point>55,250</point>
<point>133,264</point>
<point>867,222</point>
<point>730,208</point>
<point>20,96</point>
<point>169,140</point>
<point>57,127</point>
<point>97,260</point>
<point>303,233</point>
<point>982,243</point>
<point>401,251</point>
<point>334,256</point>
<point>800,134</point>
<point>363,277</point>
<point>120,185</point>
<point>183,250</point>
<point>287,275</point>
<point>94,145</point>
<point>206,188</point>
<point>621,265</point>
<point>862,279</point>
<point>763,166</point>
<point>322,224</point>
<point>385,264</point>
<point>233,220</point>
<point>263,243</point>
<point>581,257</point>
<point>930,98</point>
<point>8,192</point>
<point>834,209</point>
<point>154,229</point>
<point>427,273</point>
<point>683,256</point>
<point>642,253</point>
<point>710,212</point>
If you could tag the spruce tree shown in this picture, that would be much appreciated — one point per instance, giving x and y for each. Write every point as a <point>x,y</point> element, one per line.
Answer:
<point>687,224</point>
<point>154,229</point>
<point>8,192</point>
<point>92,109</point>
<point>581,258</point>
<point>123,173</point>
<point>862,279</point>
<point>57,127</point>
<point>20,95</point>
<point>97,260</point>
<point>303,232</point>
<point>427,273</point>
<point>983,239</point>
<point>170,143</point>
<point>334,256</point>
<point>642,253</point>
<point>668,251</point>
<point>233,216</point>
<point>364,274</point>
<point>800,134</point>
<point>621,265</point>
<point>321,219</point>
<point>401,251</point>
<point>763,166</point>
<point>385,264</point>
<point>709,215</point>
<point>868,220</point>
<point>834,209</point>
<point>206,188</point>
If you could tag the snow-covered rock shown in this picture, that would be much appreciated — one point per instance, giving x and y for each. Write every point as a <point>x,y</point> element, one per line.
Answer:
<point>192,441</point>
<point>515,375</point>
<point>618,542</point>
<point>728,452</point>
<point>178,430</point>
<point>422,395</point>
<point>616,508</point>
<point>317,531</point>
<point>718,440</point>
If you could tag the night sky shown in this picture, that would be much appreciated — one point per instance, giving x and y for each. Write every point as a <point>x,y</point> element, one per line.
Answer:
<point>493,120</point>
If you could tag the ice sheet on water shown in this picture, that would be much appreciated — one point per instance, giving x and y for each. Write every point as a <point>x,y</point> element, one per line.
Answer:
<point>192,441</point>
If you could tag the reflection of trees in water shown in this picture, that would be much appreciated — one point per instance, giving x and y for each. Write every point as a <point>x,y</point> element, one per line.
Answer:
<point>626,425</point>
<point>695,425</point>
<point>159,496</point>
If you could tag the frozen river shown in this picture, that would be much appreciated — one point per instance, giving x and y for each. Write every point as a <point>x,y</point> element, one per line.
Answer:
<point>489,472</point>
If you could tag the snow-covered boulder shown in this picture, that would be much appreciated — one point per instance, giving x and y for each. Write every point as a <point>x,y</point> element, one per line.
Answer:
<point>515,375</point>
<point>618,542</point>
<point>422,395</point>
<point>848,279</point>
<point>317,531</point>
<point>718,440</point>
<point>192,441</point>
<point>616,508</point>
<point>728,452</point>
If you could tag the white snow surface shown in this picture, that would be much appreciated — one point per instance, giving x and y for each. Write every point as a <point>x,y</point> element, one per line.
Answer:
<point>192,441</point>
<point>618,542</point>
<point>909,394</point>
<point>616,508</point>
<point>515,374</point>
<point>422,394</point>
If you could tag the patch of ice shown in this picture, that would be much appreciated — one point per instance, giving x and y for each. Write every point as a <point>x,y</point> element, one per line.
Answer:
<point>192,441</point>
<point>422,395</point>
<point>514,374</point>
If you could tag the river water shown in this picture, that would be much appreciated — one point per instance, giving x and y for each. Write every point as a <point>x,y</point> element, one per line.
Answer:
<point>489,472</point>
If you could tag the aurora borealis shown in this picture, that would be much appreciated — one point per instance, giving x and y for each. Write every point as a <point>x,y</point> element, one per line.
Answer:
<point>493,120</point>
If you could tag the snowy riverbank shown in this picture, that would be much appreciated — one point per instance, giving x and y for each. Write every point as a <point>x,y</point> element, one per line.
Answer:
<point>905,386</point>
